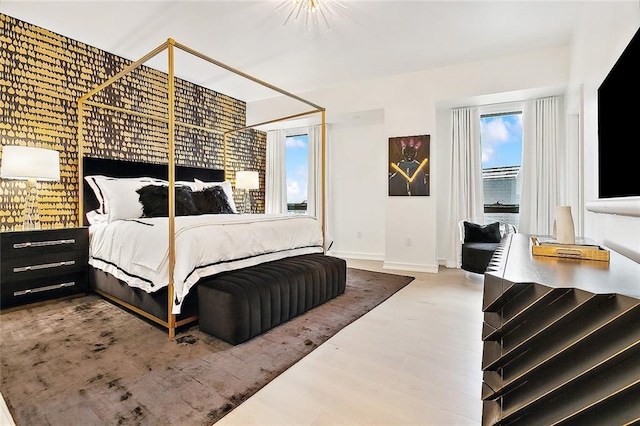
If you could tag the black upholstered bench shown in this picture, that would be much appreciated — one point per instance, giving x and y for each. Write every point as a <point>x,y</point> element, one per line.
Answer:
<point>238,305</point>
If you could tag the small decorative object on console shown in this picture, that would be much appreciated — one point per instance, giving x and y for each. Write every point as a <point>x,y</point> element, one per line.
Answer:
<point>565,233</point>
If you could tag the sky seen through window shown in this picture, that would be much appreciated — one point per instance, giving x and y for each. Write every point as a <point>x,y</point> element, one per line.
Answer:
<point>297,154</point>
<point>501,139</point>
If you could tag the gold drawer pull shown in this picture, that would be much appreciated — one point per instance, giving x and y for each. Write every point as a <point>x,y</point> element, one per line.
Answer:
<point>43,243</point>
<point>46,288</point>
<point>44,266</point>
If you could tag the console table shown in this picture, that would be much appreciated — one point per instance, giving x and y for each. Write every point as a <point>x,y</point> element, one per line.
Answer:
<point>561,339</point>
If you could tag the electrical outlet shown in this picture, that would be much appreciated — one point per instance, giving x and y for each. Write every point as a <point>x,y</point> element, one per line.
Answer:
<point>359,235</point>
<point>409,242</point>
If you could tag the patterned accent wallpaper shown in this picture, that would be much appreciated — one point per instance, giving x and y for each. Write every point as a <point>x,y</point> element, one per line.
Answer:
<point>42,75</point>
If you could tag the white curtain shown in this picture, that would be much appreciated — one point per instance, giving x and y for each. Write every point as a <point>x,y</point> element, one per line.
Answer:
<point>314,182</point>
<point>276,183</point>
<point>541,176</point>
<point>466,198</point>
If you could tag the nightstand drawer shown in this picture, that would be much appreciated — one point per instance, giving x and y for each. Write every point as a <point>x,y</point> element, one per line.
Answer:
<point>32,291</point>
<point>44,265</point>
<point>42,242</point>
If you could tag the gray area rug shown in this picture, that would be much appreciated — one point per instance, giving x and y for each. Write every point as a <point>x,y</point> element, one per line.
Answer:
<point>85,361</point>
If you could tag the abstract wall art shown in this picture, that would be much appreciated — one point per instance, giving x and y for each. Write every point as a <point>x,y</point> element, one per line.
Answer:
<point>409,165</point>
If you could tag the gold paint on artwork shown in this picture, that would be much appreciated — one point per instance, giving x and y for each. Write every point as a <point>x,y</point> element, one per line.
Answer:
<point>415,173</point>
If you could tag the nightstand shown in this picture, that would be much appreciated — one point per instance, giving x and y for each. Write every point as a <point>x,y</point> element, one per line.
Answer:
<point>42,265</point>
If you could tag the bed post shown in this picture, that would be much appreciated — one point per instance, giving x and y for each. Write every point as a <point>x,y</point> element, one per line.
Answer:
<point>80,163</point>
<point>322,176</point>
<point>224,155</point>
<point>171,318</point>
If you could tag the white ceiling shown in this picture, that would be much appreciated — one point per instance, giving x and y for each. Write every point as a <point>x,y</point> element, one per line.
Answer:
<point>369,39</point>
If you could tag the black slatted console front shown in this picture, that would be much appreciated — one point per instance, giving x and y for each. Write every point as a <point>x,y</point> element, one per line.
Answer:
<point>561,339</point>
<point>239,305</point>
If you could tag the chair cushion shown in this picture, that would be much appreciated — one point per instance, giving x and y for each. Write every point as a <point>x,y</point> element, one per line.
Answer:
<point>475,233</point>
<point>477,256</point>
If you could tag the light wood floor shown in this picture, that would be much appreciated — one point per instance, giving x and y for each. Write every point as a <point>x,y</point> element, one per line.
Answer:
<point>5,415</point>
<point>413,360</point>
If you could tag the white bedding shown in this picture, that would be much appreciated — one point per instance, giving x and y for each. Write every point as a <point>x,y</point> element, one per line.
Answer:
<point>136,250</point>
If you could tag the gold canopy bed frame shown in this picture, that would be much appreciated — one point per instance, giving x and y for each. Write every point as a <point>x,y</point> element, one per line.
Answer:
<point>170,45</point>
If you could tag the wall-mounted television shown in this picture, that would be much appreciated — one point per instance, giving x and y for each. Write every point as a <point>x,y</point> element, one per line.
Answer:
<point>619,126</point>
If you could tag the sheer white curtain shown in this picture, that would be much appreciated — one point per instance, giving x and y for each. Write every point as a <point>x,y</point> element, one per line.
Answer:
<point>314,182</point>
<point>541,175</point>
<point>276,183</point>
<point>466,198</point>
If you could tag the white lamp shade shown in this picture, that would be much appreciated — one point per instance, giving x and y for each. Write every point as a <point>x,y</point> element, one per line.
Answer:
<point>247,180</point>
<point>24,162</point>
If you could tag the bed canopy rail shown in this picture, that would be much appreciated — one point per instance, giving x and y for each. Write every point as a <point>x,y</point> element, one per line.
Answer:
<point>170,120</point>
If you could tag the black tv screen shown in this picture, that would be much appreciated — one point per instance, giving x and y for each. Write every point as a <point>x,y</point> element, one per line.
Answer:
<point>618,118</point>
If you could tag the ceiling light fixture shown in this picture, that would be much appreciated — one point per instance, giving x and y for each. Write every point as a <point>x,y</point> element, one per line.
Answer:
<point>313,13</point>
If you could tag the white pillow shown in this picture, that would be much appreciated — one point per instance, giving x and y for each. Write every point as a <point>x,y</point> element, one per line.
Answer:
<point>92,181</point>
<point>94,217</point>
<point>226,186</point>
<point>118,197</point>
<point>190,185</point>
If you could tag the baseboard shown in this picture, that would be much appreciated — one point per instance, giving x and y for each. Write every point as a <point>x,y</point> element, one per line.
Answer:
<point>356,256</point>
<point>447,263</point>
<point>411,267</point>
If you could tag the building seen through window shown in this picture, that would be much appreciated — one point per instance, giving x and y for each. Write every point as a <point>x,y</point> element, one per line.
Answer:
<point>501,139</point>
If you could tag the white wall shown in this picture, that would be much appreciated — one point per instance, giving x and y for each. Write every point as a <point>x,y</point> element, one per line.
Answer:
<point>419,103</point>
<point>358,197</point>
<point>410,103</point>
<point>603,34</point>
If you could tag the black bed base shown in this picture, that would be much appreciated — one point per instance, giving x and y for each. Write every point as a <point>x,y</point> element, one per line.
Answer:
<point>154,304</point>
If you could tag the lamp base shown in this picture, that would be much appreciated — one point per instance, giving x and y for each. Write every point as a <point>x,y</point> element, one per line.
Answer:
<point>31,214</point>
<point>247,201</point>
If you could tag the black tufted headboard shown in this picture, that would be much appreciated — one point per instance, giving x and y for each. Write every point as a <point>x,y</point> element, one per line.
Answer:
<point>124,169</point>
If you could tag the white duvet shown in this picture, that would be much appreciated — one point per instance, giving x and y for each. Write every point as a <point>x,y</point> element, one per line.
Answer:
<point>137,250</point>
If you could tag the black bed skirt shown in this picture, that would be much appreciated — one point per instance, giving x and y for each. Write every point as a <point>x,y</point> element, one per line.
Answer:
<point>155,303</point>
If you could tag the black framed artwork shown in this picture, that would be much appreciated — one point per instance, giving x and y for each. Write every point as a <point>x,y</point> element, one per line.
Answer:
<point>409,165</point>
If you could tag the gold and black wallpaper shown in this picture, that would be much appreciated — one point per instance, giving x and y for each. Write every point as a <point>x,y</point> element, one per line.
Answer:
<point>42,75</point>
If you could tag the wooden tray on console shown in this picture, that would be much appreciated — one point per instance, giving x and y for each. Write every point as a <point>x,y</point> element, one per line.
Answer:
<point>585,249</point>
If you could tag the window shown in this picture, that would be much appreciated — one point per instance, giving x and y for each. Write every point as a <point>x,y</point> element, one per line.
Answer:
<point>297,167</point>
<point>501,139</point>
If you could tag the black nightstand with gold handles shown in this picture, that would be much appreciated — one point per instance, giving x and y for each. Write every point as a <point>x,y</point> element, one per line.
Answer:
<point>41,265</point>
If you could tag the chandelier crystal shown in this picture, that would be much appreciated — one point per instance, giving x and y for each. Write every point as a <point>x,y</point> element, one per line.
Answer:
<point>312,13</point>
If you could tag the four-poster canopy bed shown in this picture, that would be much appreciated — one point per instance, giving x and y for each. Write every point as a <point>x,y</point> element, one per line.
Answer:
<point>108,279</point>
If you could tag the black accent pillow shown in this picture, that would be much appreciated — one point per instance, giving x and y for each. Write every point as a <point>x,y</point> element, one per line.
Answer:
<point>211,200</point>
<point>475,233</point>
<point>155,201</point>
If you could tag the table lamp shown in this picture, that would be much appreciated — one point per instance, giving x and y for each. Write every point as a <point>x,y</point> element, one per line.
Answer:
<point>247,180</point>
<point>30,164</point>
